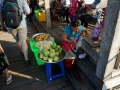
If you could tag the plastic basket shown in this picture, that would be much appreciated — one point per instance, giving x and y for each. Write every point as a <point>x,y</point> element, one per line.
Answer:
<point>39,62</point>
<point>32,45</point>
<point>35,51</point>
<point>69,63</point>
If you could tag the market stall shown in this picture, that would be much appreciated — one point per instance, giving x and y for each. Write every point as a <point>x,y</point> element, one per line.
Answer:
<point>47,53</point>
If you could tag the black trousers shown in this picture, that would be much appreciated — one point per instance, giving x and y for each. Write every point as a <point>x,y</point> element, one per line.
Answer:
<point>85,19</point>
<point>67,15</point>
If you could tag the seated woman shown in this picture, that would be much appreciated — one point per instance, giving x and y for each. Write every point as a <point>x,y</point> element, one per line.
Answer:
<point>91,14</point>
<point>3,66</point>
<point>70,38</point>
<point>57,8</point>
<point>81,10</point>
<point>72,9</point>
<point>71,34</point>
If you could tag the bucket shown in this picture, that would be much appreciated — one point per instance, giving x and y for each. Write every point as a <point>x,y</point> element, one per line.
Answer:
<point>41,16</point>
<point>36,12</point>
<point>69,63</point>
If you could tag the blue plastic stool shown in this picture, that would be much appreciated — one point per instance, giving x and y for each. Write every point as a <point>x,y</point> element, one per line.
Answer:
<point>49,71</point>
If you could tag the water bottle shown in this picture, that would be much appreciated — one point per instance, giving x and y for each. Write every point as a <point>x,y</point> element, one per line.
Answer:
<point>96,31</point>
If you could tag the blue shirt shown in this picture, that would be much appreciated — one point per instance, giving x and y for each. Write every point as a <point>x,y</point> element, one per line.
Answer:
<point>24,8</point>
<point>95,6</point>
<point>68,31</point>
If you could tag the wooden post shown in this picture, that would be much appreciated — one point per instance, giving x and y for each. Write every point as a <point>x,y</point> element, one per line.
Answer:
<point>110,83</point>
<point>117,63</point>
<point>110,40</point>
<point>47,10</point>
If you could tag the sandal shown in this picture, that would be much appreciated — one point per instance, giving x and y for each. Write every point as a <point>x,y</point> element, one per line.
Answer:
<point>9,80</point>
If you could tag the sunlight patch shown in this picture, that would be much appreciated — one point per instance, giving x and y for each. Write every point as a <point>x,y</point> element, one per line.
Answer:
<point>23,75</point>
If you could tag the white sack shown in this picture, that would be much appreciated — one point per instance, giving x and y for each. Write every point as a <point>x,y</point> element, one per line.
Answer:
<point>103,4</point>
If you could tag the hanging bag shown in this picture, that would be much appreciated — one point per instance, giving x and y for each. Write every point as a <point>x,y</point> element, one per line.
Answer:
<point>96,31</point>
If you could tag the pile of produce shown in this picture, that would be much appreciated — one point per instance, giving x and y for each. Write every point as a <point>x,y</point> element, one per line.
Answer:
<point>43,44</point>
<point>50,54</point>
<point>41,37</point>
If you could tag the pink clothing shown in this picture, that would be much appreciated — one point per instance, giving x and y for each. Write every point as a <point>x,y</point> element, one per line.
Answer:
<point>68,62</point>
<point>67,46</point>
<point>74,7</point>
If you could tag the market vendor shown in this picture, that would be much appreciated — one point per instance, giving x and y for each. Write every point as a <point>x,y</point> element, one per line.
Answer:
<point>72,33</point>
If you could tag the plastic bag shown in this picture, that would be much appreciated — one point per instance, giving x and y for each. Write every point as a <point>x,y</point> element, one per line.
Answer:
<point>103,4</point>
<point>79,44</point>
<point>96,31</point>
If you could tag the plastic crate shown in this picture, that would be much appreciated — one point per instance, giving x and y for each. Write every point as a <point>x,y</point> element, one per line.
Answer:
<point>32,45</point>
<point>39,62</point>
<point>36,51</point>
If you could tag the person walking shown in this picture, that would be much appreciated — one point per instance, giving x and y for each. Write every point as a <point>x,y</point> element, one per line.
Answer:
<point>19,33</point>
<point>3,66</point>
<point>32,8</point>
<point>67,5</point>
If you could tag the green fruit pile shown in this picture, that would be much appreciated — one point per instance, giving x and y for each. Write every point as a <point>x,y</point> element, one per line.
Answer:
<point>50,54</point>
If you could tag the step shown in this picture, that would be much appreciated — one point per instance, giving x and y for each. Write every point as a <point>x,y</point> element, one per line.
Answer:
<point>79,79</point>
<point>87,66</point>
